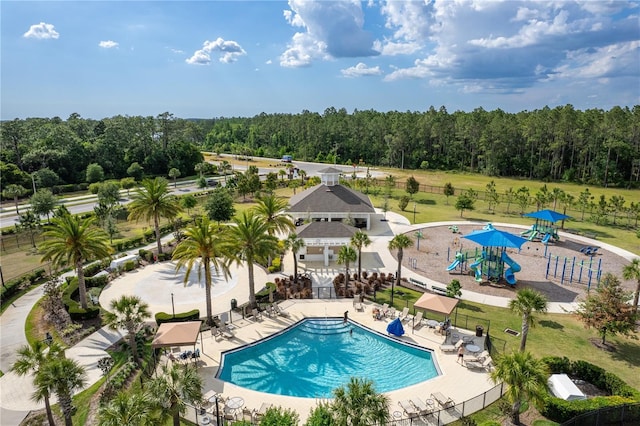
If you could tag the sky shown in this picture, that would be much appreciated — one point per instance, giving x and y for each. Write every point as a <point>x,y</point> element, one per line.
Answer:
<point>205,59</point>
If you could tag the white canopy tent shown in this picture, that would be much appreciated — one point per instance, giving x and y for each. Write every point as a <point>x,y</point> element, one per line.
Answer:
<point>562,387</point>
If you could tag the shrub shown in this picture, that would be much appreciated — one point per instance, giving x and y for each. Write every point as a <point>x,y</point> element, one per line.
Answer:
<point>129,265</point>
<point>278,416</point>
<point>559,410</point>
<point>162,317</point>
<point>99,282</point>
<point>75,310</point>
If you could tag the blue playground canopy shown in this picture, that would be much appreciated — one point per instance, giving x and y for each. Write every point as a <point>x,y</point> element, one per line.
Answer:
<point>548,215</point>
<point>395,327</point>
<point>491,237</point>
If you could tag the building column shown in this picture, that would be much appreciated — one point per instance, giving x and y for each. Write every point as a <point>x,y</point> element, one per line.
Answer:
<point>325,252</point>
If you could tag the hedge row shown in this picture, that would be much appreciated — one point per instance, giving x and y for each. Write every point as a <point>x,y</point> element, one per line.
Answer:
<point>560,411</point>
<point>148,237</point>
<point>162,317</point>
<point>75,310</point>
<point>14,286</point>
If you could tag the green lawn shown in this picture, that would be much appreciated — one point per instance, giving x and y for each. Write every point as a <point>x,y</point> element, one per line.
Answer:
<point>553,335</point>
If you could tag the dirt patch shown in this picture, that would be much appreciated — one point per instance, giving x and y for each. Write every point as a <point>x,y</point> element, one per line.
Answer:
<point>597,342</point>
<point>438,247</point>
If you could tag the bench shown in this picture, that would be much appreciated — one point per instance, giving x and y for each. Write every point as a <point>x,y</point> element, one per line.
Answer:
<point>418,283</point>
<point>440,290</point>
<point>591,235</point>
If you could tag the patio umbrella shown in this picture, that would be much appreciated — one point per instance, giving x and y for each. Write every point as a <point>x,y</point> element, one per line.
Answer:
<point>395,327</point>
<point>491,237</point>
<point>547,215</point>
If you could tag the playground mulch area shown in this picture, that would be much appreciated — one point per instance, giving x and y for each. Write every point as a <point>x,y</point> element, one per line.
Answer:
<point>432,262</point>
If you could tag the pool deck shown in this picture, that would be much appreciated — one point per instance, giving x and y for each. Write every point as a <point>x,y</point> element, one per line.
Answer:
<point>456,381</point>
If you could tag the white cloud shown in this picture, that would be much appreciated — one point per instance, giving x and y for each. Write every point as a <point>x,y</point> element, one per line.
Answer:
<point>41,31</point>
<point>269,62</point>
<point>330,29</point>
<point>229,51</point>
<point>108,44</point>
<point>505,46</point>
<point>361,70</point>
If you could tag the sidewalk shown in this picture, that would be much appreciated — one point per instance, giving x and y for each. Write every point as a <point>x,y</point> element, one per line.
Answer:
<point>16,391</point>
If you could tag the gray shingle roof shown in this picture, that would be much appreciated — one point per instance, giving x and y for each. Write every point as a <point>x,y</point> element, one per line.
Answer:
<point>326,230</point>
<point>330,199</point>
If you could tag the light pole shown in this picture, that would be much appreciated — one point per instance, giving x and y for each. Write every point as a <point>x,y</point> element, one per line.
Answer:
<point>414,212</point>
<point>418,236</point>
<point>173,308</point>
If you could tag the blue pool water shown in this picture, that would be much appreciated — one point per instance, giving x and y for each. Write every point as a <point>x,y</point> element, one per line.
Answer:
<point>315,356</point>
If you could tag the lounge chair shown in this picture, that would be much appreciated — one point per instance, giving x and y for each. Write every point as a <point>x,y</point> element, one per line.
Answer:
<point>477,358</point>
<point>384,309</point>
<point>423,408</point>
<point>403,315</point>
<point>259,413</point>
<point>417,320</point>
<point>409,409</point>
<point>256,314</point>
<point>451,348</point>
<point>484,365</point>
<point>445,402</point>
<point>226,332</point>
<point>278,310</point>
<point>391,313</point>
<point>357,305</point>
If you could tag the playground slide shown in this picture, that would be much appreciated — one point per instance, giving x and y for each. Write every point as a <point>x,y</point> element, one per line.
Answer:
<point>479,275</point>
<point>477,263</point>
<point>513,265</point>
<point>546,238</point>
<point>510,277</point>
<point>454,265</point>
<point>533,235</point>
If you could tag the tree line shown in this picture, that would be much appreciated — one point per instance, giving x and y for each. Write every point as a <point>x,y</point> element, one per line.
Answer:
<point>594,146</point>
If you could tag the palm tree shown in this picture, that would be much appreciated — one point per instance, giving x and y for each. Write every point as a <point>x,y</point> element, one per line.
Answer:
<point>128,312</point>
<point>346,255</point>
<point>632,272</point>
<point>202,247</point>
<point>248,242</point>
<point>152,201</point>
<point>271,209</point>
<point>127,408</point>
<point>71,240</point>
<point>14,191</point>
<point>525,377</point>
<point>294,244</point>
<point>399,242</point>
<point>177,386</point>
<point>31,359</point>
<point>358,241</point>
<point>526,302</point>
<point>63,376</point>
<point>359,404</point>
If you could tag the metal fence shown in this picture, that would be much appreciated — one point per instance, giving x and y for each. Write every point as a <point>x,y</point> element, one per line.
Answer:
<point>451,414</point>
<point>620,415</point>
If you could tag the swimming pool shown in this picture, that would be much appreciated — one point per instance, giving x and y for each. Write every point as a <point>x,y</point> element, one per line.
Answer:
<point>317,355</point>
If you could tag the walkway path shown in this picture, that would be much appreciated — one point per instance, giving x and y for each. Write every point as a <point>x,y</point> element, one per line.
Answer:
<point>155,283</point>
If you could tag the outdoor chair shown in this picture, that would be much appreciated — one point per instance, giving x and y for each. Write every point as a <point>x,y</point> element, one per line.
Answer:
<point>391,313</point>
<point>408,408</point>
<point>404,314</point>
<point>259,413</point>
<point>423,408</point>
<point>282,312</point>
<point>417,320</point>
<point>256,314</point>
<point>384,309</point>
<point>445,402</point>
<point>451,348</point>
<point>226,332</point>
<point>484,365</point>
<point>477,358</point>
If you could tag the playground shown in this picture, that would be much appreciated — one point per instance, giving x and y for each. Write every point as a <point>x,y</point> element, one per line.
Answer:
<point>563,270</point>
